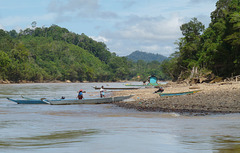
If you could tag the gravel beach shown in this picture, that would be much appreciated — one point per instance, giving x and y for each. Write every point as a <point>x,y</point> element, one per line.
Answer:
<point>212,98</point>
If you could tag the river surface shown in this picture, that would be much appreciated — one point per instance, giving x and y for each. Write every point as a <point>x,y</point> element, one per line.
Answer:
<point>105,128</point>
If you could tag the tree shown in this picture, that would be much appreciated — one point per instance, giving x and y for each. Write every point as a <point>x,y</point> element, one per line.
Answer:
<point>222,38</point>
<point>13,33</point>
<point>34,24</point>
<point>54,53</point>
<point>4,63</point>
<point>192,29</point>
<point>189,47</point>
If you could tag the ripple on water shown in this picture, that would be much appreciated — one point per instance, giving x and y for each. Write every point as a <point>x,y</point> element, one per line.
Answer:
<point>55,138</point>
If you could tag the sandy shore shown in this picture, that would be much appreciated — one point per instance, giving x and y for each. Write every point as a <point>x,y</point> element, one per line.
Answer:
<point>213,98</point>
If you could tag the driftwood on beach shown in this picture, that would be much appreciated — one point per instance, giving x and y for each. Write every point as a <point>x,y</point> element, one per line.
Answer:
<point>233,78</point>
<point>213,98</point>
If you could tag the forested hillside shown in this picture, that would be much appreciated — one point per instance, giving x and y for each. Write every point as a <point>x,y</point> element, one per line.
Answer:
<point>54,53</point>
<point>46,54</point>
<point>213,50</point>
<point>147,57</point>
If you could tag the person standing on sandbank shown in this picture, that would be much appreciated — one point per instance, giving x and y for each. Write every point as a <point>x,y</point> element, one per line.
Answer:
<point>102,94</point>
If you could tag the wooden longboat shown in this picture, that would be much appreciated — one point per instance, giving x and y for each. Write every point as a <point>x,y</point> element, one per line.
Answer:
<point>116,88</point>
<point>86,101</point>
<point>178,94</point>
<point>27,101</point>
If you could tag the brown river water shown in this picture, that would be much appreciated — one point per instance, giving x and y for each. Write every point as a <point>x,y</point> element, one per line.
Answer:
<point>105,128</point>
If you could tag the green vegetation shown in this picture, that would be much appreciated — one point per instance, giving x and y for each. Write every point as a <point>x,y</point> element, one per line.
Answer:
<point>147,57</point>
<point>54,53</point>
<point>215,49</point>
<point>47,54</point>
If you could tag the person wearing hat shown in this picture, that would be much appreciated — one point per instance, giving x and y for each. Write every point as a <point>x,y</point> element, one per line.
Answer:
<point>80,94</point>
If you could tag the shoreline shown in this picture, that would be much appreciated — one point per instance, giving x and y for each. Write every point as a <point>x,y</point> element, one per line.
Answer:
<point>215,98</point>
<point>57,81</point>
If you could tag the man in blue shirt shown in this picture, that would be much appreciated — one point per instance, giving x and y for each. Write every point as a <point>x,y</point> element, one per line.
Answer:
<point>80,94</point>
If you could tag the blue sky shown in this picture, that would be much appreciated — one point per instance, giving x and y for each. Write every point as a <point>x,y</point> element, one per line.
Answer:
<point>123,25</point>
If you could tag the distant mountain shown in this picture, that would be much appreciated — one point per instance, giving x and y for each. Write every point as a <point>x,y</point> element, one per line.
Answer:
<point>147,57</point>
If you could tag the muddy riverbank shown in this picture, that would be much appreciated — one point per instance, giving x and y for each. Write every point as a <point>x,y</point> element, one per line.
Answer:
<point>212,98</point>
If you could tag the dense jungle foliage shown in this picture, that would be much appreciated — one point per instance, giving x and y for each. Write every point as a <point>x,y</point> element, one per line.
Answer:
<point>47,54</point>
<point>147,57</point>
<point>215,49</point>
<point>54,53</point>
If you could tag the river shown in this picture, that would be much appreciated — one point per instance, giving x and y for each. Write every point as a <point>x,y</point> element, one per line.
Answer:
<point>105,128</point>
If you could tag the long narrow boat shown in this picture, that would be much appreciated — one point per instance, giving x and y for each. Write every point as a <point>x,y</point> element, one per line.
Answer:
<point>86,101</point>
<point>116,88</point>
<point>177,94</point>
<point>137,85</point>
<point>146,85</point>
<point>27,101</point>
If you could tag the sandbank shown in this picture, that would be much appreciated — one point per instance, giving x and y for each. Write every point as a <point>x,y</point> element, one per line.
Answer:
<point>212,98</point>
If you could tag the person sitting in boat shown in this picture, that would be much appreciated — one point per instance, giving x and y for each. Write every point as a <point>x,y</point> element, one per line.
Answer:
<point>102,94</point>
<point>80,94</point>
<point>160,89</point>
<point>144,82</point>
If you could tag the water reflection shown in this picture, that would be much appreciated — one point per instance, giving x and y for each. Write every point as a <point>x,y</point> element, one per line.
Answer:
<point>227,144</point>
<point>4,124</point>
<point>62,137</point>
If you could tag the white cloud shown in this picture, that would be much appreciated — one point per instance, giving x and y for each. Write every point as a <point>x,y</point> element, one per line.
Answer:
<point>168,50</point>
<point>155,26</point>
<point>151,28</point>
<point>150,34</point>
<point>83,9</point>
<point>99,39</point>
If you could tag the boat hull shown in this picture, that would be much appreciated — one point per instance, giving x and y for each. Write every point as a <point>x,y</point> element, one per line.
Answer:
<point>147,85</point>
<point>125,88</point>
<point>27,101</point>
<point>177,94</point>
<point>129,85</point>
<point>86,101</point>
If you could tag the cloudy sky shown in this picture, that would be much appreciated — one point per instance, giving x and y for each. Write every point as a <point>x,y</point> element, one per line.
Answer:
<point>123,25</point>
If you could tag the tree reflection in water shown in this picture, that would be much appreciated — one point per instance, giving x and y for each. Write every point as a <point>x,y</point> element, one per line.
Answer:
<point>226,144</point>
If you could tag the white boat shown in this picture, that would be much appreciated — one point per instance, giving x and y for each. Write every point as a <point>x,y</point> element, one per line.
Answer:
<point>86,101</point>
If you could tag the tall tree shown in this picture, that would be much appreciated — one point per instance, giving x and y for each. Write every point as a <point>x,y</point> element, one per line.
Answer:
<point>221,39</point>
<point>188,47</point>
